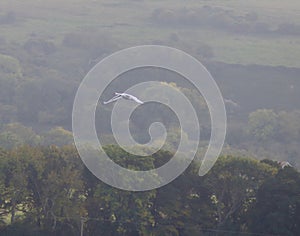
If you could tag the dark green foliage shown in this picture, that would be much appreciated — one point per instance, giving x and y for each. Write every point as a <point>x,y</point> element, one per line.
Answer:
<point>48,191</point>
<point>277,207</point>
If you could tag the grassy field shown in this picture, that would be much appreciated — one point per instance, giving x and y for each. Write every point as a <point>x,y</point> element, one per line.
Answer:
<point>128,23</point>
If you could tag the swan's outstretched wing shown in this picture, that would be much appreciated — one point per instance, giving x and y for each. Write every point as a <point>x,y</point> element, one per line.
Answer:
<point>230,103</point>
<point>115,98</point>
<point>130,97</point>
<point>136,100</point>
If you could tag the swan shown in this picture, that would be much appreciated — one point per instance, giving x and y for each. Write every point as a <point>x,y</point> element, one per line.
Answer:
<point>124,96</point>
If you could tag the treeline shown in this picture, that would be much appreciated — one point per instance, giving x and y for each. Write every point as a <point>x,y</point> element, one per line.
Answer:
<point>265,133</point>
<point>48,191</point>
<point>15,135</point>
<point>268,134</point>
<point>222,19</point>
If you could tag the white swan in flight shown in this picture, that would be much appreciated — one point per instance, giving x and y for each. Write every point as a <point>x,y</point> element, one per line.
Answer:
<point>125,96</point>
<point>230,103</point>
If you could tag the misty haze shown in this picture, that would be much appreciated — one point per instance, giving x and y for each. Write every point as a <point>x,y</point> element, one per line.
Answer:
<point>252,51</point>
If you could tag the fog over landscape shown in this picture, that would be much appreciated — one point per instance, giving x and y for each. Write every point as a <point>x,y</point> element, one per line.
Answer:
<point>252,51</point>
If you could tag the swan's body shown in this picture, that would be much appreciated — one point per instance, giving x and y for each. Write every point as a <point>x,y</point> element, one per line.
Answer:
<point>125,96</point>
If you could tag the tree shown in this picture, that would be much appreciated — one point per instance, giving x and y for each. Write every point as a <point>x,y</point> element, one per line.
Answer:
<point>61,194</point>
<point>117,212</point>
<point>233,182</point>
<point>41,189</point>
<point>44,101</point>
<point>16,134</point>
<point>182,207</point>
<point>10,75</point>
<point>16,195</point>
<point>288,126</point>
<point>262,124</point>
<point>277,208</point>
<point>57,136</point>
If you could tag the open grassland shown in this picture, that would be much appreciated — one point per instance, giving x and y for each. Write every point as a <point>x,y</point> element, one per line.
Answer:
<point>128,22</point>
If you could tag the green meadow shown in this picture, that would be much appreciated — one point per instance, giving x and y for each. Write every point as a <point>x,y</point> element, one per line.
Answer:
<point>130,24</point>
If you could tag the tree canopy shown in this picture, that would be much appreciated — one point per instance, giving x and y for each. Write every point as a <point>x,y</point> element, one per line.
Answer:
<point>48,190</point>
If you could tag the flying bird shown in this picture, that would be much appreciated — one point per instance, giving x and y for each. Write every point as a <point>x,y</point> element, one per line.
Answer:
<point>125,96</point>
<point>230,103</point>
